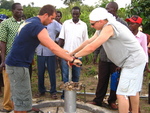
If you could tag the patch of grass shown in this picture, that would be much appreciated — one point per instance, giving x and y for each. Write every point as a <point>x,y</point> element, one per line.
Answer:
<point>90,71</point>
<point>146,109</point>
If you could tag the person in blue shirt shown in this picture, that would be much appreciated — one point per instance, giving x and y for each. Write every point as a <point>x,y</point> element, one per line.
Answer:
<point>46,60</point>
<point>30,34</point>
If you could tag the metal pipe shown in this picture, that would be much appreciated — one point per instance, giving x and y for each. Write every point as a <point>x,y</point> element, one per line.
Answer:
<point>90,93</point>
<point>70,75</point>
<point>70,98</point>
<point>70,102</point>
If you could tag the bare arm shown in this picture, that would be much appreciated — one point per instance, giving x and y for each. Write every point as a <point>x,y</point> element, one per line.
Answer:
<point>105,34</point>
<point>84,44</point>
<point>45,40</point>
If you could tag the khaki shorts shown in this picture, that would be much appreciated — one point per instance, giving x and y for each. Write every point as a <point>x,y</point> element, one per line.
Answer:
<point>130,81</point>
<point>20,87</point>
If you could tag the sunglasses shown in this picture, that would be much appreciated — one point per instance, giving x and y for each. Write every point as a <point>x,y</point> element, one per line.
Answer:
<point>92,24</point>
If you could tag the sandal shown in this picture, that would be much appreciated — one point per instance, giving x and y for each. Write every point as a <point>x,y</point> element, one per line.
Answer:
<point>54,96</point>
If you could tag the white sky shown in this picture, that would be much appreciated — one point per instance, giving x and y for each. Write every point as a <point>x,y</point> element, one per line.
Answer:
<point>59,3</point>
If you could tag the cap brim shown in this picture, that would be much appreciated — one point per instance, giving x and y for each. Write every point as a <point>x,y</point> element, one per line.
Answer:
<point>129,20</point>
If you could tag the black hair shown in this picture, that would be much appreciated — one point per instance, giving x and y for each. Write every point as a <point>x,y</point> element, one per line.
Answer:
<point>60,13</point>
<point>114,4</point>
<point>76,7</point>
<point>14,5</point>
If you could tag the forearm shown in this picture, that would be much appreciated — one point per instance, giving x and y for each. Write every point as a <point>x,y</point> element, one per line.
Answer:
<point>85,43</point>
<point>56,49</point>
<point>85,51</point>
<point>80,47</point>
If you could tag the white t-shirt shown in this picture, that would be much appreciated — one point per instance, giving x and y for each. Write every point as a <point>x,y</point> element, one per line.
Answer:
<point>73,34</point>
<point>123,49</point>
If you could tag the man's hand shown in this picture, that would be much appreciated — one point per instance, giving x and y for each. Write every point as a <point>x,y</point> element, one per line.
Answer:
<point>75,62</point>
<point>71,53</point>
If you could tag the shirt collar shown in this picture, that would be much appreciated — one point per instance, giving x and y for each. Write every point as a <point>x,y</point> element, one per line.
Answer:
<point>79,22</point>
<point>14,20</point>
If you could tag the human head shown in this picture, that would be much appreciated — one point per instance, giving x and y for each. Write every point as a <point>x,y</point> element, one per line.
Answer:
<point>112,7</point>
<point>99,17</point>
<point>134,22</point>
<point>135,19</point>
<point>75,13</point>
<point>17,11</point>
<point>2,17</point>
<point>47,14</point>
<point>58,16</point>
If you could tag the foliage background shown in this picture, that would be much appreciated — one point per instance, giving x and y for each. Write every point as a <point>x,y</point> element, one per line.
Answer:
<point>137,7</point>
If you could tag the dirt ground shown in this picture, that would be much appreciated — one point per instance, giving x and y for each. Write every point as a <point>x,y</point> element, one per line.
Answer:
<point>89,80</point>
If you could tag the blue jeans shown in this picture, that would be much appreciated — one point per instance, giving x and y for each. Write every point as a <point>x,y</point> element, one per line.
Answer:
<point>49,63</point>
<point>65,72</point>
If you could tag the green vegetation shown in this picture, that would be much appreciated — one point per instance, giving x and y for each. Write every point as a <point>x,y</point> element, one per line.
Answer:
<point>137,7</point>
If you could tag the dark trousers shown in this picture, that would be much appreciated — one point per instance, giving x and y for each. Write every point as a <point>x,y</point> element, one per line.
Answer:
<point>105,69</point>
<point>49,63</point>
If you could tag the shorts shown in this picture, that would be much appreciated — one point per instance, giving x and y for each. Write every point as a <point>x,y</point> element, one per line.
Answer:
<point>20,87</point>
<point>130,81</point>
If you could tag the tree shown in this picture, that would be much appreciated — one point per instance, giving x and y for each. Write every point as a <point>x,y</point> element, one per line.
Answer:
<point>4,4</point>
<point>68,2</point>
<point>30,11</point>
<point>85,11</point>
<point>6,12</point>
<point>103,3</point>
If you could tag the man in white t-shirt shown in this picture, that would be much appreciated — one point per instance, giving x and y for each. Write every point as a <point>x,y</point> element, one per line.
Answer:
<point>123,49</point>
<point>73,33</point>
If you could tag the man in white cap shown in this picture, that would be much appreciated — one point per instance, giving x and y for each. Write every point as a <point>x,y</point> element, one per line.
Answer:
<point>123,50</point>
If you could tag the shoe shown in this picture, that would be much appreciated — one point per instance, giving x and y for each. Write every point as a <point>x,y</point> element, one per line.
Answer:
<point>5,110</point>
<point>105,105</point>
<point>113,106</point>
<point>94,103</point>
<point>35,110</point>
<point>54,96</point>
<point>39,95</point>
